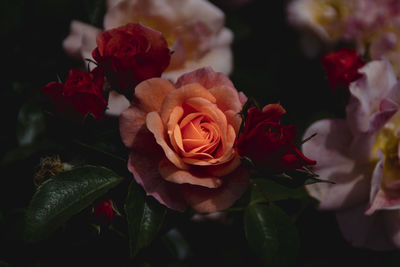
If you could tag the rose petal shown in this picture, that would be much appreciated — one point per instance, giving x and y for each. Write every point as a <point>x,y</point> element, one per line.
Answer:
<point>206,77</point>
<point>152,92</point>
<point>155,125</point>
<point>227,98</point>
<point>145,172</point>
<point>363,231</point>
<point>330,147</point>
<point>81,40</point>
<point>116,104</point>
<point>172,174</point>
<point>178,97</point>
<point>233,119</point>
<point>212,200</point>
<point>367,94</point>
<point>382,202</point>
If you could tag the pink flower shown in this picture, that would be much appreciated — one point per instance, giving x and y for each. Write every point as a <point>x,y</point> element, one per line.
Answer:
<point>361,155</point>
<point>181,138</point>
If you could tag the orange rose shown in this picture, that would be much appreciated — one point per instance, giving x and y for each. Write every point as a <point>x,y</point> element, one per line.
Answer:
<point>181,139</point>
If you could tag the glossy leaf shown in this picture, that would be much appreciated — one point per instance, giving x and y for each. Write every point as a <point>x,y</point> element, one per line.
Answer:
<point>265,188</point>
<point>145,217</point>
<point>271,235</point>
<point>64,195</point>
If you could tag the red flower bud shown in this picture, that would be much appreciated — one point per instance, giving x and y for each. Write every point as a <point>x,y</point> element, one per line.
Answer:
<point>269,144</point>
<point>342,66</point>
<point>81,94</point>
<point>130,54</point>
<point>105,210</point>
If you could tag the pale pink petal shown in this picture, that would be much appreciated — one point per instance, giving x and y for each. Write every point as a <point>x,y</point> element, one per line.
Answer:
<point>211,200</point>
<point>392,219</point>
<point>116,104</point>
<point>145,171</point>
<point>172,174</point>
<point>152,92</point>
<point>329,147</point>
<point>361,230</point>
<point>155,125</point>
<point>73,44</point>
<point>377,175</point>
<point>367,93</point>
<point>383,201</point>
<point>206,77</point>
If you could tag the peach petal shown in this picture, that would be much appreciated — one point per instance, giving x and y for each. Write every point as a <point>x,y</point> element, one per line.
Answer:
<point>363,231</point>
<point>152,92</point>
<point>206,77</point>
<point>225,168</point>
<point>233,119</point>
<point>178,97</point>
<point>227,98</point>
<point>145,171</point>
<point>130,122</point>
<point>330,148</point>
<point>174,175</point>
<point>211,200</point>
<point>155,125</point>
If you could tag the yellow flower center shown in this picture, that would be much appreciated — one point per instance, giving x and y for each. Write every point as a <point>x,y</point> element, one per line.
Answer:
<point>387,140</point>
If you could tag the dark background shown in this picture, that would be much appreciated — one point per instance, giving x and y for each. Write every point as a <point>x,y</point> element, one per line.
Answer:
<point>269,66</point>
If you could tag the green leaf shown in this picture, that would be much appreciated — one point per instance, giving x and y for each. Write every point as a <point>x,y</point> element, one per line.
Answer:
<point>63,196</point>
<point>30,123</point>
<point>95,10</point>
<point>274,191</point>
<point>145,217</point>
<point>176,244</point>
<point>271,235</point>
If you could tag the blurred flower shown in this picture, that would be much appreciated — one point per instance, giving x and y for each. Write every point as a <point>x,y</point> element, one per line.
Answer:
<point>370,25</point>
<point>342,66</point>
<point>360,154</point>
<point>194,30</point>
<point>182,136</point>
<point>130,54</point>
<point>269,144</point>
<point>105,210</point>
<point>80,95</point>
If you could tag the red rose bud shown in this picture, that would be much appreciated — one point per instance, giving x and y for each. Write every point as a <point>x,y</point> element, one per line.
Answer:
<point>268,144</point>
<point>130,54</point>
<point>105,210</point>
<point>81,94</point>
<point>342,66</point>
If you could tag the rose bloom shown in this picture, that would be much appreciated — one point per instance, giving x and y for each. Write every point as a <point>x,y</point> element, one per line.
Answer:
<point>269,144</point>
<point>194,30</point>
<point>130,54</point>
<point>342,66</point>
<point>181,138</point>
<point>81,94</point>
<point>361,155</point>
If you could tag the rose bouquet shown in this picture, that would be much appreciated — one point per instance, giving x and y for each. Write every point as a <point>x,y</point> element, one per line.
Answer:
<point>167,133</point>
